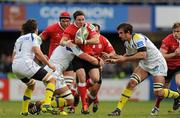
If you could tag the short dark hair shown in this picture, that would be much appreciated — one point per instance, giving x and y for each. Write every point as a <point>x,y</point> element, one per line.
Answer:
<point>176,25</point>
<point>30,26</point>
<point>97,25</point>
<point>78,13</point>
<point>126,27</point>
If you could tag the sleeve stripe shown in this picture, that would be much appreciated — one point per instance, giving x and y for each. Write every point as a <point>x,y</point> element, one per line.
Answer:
<point>32,37</point>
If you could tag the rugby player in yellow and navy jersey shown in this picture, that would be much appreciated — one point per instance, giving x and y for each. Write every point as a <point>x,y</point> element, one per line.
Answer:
<point>150,60</point>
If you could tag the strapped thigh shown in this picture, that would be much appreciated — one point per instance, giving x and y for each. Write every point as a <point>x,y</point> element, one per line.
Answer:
<point>28,82</point>
<point>136,78</point>
<point>158,86</point>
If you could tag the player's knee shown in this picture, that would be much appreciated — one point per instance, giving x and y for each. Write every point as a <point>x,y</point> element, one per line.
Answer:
<point>67,95</point>
<point>132,84</point>
<point>70,102</point>
<point>93,92</point>
<point>50,78</point>
<point>69,80</point>
<point>159,93</point>
<point>158,89</point>
<point>95,79</point>
<point>134,80</point>
<point>31,84</point>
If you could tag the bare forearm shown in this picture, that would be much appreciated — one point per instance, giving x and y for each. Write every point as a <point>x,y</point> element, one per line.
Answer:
<point>42,58</point>
<point>136,57</point>
<point>89,58</point>
<point>170,55</point>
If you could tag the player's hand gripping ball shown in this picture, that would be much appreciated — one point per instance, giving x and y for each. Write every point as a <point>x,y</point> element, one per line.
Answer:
<point>81,35</point>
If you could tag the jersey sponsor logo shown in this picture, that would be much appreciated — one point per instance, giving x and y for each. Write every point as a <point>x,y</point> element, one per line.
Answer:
<point>140,44</point>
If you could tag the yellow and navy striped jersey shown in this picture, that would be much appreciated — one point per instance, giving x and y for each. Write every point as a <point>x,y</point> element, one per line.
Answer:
<point>139,41</point>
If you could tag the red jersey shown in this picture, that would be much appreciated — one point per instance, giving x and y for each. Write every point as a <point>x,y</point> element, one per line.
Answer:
<point>103,46</point>
<point>53,32</point>
<point>70,33</point>
<point>170,44</point>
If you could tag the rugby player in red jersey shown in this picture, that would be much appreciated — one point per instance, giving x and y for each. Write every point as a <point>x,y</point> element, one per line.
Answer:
<point>170,48</point>
<point>80,65</point>
<point>54,33</point>
<point>103,46</point>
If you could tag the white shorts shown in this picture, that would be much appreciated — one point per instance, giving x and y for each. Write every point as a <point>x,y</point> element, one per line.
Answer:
<point>159,68</point>
<point>60,83</point>
<point>25,68</point>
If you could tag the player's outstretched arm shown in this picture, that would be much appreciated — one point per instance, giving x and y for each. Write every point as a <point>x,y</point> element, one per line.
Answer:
<point>40,56</point>
<point>91,59</point>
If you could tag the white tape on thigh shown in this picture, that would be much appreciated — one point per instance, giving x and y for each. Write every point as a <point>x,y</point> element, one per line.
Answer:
<point>47,77</point>
<point>157,86</point>
<point>67,95</point>
<point>31,82</point>
<point>136,78</point>
<point>69,80</point>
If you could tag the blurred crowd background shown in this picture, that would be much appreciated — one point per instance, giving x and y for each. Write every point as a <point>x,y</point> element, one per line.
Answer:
<point>10,25</point>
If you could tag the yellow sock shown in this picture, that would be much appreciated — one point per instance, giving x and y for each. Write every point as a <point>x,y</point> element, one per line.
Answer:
<point>58,102</point>
<point>26,99</point>
<point>49,93</point>
<point>124,98</point>
<point>170,94</point>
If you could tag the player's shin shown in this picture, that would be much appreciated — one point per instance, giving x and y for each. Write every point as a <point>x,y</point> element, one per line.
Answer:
<point>134,80</point>
<point>26,100</point>
<point>58,102</point>
<point>83,92</point>
<point>170,94</point>
<point>124,98</point>
<point>50,87</point>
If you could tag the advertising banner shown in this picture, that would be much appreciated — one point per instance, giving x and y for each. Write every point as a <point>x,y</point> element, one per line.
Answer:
<point>4,89</point>
<point>140,17</point>
<point>108,16</point>
<point>112,89</point>
<point>13,16</point>
<point>166,16</point>
<point>109,91</point>
<point>17,89</point>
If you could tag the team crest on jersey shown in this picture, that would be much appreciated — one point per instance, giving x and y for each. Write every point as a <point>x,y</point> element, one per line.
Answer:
<point>140,44</point>
<point>91,27</point>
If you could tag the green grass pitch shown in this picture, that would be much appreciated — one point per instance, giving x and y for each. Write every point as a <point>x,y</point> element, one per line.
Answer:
<point>131,110</point>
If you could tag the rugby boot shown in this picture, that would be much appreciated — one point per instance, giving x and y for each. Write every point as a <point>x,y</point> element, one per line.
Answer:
<point>85,110</point>
<point>116,112</point>
<point>154,111</point>
<point>95,105</point>
<point>176,104</point>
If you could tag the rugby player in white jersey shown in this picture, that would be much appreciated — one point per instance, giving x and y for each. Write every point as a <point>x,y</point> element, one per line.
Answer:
<point>140,48</point>
<point>27,47</point>
<point>61,58</point>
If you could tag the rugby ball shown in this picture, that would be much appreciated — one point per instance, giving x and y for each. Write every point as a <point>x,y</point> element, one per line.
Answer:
<point>82,34</point>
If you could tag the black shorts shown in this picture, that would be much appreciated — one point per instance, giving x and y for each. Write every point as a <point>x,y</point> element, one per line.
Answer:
<point>171,73</point>
<point>80,63</point>
<point>39,75</point>
<point>70,67</point>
